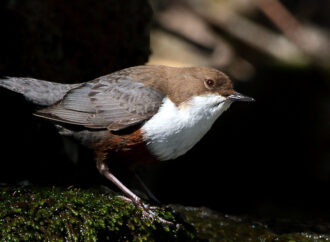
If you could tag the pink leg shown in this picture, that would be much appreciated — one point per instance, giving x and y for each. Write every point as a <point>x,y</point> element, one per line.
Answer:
<point>104,170</point>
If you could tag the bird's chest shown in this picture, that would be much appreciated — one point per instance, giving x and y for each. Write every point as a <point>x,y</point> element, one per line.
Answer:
<point>172,131</point>
<point>174,141</point>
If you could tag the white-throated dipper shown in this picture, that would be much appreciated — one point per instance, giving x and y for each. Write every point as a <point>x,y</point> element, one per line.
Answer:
<point>143,113</point>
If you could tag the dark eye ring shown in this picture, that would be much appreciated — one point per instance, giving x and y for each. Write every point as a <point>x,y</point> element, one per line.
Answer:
<point>209,82</point>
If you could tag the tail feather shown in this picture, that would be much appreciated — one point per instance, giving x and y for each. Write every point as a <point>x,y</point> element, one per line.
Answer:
<point>39,92</point>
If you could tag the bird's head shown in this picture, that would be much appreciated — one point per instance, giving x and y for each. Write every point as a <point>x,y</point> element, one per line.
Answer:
<point>204,88</point>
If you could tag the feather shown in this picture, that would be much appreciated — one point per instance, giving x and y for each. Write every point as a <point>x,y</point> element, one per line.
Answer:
<point>113,102</point>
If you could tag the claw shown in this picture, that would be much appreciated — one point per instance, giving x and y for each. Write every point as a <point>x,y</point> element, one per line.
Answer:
<point>147,211</point>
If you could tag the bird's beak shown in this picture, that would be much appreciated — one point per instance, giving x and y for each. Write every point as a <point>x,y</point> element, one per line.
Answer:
<point>239,97</point>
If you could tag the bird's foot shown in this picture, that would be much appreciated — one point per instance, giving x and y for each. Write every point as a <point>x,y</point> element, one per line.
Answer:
<point>132,198</point>
<point>147,211</point>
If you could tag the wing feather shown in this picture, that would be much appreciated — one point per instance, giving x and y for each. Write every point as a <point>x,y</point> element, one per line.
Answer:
<point>113,102</point>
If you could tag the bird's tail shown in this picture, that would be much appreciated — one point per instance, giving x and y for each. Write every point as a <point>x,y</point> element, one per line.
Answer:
<point>39,92</point>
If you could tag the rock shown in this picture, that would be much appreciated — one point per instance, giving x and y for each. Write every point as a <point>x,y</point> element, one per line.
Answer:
<point>73,214</point>
<point>213,226</point>
<point>30,214</point>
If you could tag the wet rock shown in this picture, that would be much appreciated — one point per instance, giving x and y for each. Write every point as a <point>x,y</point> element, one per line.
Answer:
<point>30,214</point>
<point>213,226</point>
<point>74,214</point>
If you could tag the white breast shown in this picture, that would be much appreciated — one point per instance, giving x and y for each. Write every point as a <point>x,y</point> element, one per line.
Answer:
<point>175,130</point>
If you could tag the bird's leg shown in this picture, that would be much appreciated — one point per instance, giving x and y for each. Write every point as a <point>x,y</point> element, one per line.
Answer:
<point>104,170</point>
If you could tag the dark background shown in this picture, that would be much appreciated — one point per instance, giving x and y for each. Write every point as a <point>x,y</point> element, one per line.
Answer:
<point>270,158</point>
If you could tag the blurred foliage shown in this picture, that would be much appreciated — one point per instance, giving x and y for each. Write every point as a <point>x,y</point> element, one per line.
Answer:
<point>192,32</point>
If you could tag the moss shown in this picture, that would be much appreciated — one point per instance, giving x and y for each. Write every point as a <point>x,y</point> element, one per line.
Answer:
<point>32,214</point>
<point>29,214</point>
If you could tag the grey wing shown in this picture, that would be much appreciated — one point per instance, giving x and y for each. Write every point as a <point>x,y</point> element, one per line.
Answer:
<point>106,103</point>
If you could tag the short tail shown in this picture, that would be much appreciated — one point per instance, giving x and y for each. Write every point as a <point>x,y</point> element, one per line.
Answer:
<point>39,92</point>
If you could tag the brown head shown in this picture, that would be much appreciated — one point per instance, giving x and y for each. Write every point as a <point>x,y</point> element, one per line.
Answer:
<point>182,83</point>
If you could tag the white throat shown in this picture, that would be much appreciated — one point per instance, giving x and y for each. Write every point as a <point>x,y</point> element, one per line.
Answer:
<point>175,130</point>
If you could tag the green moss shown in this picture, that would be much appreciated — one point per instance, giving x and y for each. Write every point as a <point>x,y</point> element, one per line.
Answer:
<point>32,214</point>
<point>78,215</point>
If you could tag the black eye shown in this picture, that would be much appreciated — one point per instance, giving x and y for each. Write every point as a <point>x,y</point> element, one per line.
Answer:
<point>209,82</point>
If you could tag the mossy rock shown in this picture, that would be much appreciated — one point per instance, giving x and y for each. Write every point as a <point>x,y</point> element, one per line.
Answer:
<point>72,214</point>
<point>30,214</point>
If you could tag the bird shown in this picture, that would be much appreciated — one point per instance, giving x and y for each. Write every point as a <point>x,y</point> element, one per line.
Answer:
<point>143,114</point>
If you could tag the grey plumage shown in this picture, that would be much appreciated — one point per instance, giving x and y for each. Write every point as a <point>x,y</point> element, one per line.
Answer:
<point>112,102</point>
<point>39,92</point>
